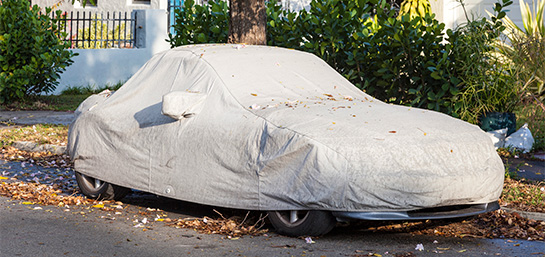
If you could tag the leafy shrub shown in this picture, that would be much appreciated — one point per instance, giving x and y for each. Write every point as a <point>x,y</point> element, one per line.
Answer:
<point>415,8</point>
<point>406,62</point>
<point>526,47</point>
<point>32,55</point>
<point>488,84</point>
<point>197,24</point>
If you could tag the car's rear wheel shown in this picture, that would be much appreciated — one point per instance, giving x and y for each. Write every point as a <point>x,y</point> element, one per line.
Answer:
<point>100,190</point>
<point>302,223</point>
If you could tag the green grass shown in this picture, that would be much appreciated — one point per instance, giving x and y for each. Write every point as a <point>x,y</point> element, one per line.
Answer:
<point>46,103</point>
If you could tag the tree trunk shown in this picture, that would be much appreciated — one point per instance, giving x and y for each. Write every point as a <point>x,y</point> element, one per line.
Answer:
<point>248,22</point>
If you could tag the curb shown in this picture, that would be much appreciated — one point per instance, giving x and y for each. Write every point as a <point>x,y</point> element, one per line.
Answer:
<point>528,215</point>
<point>35,147</point>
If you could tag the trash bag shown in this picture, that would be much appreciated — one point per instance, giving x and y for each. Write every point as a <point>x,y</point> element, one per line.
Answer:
<point>498,137</point>
<point>498,120</point>
<point>522,139</point>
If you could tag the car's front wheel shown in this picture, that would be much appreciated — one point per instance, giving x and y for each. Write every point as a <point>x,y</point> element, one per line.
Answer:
<point>100,190</point>
<point>302,223</point>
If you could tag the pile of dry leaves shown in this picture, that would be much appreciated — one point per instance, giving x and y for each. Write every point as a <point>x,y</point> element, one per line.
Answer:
<point>233,227</point>
<point>44,159</point>
<point>34,193</point>
<point>524,195</point>
<point>39,133</point>
<point>497,224</point>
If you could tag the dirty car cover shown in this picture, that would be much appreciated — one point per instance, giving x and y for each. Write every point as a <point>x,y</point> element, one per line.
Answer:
<point>278,130</point>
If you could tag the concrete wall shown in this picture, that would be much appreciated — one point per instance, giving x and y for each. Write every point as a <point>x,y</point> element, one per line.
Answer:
<point>99,67</point>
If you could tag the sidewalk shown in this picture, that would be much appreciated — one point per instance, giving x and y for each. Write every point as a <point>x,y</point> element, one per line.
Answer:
<point>36,117</point>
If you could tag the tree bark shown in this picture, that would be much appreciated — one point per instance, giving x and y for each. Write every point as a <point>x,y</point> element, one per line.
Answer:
<point>248,22</point>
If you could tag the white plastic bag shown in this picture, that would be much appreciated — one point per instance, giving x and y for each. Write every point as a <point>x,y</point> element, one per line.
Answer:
<point>498,137</point>
<point>522,139</point>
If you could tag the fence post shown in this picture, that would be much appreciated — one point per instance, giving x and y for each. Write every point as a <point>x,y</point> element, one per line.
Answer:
<point>139,17</point>
<point>151,29</point>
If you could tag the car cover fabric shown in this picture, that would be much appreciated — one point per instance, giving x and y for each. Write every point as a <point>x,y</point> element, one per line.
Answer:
<point>278,130</point>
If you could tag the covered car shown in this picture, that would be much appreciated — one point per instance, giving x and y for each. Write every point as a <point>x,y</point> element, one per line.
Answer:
<point>278,130</point>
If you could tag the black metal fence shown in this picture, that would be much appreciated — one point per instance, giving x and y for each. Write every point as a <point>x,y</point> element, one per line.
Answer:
<point>95,30</point>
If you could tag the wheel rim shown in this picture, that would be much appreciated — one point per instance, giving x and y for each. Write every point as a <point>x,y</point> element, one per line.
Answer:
<point>292,218</point>
<point>91,182</point>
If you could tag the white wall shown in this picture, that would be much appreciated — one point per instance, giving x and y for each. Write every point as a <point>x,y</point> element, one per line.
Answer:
<point>102,5</point>
<point>296,5</point>
<point>99,67</point>
<point>452,14</point>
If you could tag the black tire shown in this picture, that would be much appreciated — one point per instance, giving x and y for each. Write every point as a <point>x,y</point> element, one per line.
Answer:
<point>100,190</point>
<point>302,223</point>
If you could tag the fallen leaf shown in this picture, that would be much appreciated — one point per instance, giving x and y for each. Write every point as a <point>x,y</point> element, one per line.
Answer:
<point>284,246</point>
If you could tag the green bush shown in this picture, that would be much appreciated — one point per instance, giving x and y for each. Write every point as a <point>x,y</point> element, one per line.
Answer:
<point>32,55</point>
<point>526,47</point>
<point>405,61</point>
<point>488,84</point>
<point>327,29</point>
<point>197,24</point>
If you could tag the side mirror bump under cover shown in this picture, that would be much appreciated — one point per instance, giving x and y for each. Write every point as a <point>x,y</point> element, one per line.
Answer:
<point>181,104</point>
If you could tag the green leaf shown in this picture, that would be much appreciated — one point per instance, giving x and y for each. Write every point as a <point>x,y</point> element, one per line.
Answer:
<point>216,8</point>
<point>201,38</point>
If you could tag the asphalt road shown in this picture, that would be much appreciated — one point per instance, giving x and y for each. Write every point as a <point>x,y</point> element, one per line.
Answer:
<point>35,230</point>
